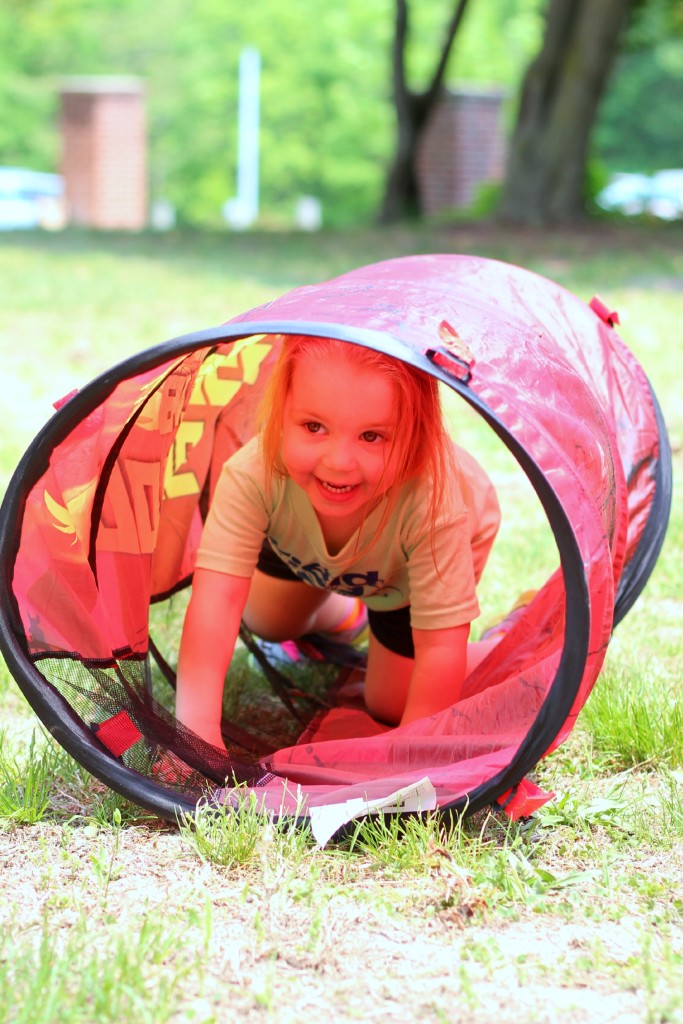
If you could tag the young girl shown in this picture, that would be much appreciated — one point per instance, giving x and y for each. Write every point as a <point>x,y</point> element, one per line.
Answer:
<point>352,497</point>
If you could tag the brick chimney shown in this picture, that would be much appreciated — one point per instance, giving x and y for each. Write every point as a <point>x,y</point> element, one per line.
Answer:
<point>104,152</point>
<point>463,147</point>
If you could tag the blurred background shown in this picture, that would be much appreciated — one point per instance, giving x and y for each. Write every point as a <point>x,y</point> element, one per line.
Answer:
<point>306,115</point>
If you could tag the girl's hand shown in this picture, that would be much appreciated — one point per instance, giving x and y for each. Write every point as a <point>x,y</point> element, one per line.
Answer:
<point>209,732</point>
<point>398,690</point>
<point>439,671</point>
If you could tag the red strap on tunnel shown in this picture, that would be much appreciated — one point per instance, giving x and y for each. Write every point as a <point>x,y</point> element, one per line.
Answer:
<point>118,733</point>
<point>607,315</point>
<point>523,799</point>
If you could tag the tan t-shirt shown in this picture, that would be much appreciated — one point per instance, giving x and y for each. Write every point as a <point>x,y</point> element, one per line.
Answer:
<point>398,569</point>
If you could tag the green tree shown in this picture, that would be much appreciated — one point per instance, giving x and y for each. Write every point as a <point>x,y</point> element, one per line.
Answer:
<point>640,124</point>
<point>324,127</point>
<point>560,96</point>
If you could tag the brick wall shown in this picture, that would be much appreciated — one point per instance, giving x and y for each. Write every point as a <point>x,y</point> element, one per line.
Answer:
<point>463,147</point>
<point>104,152</point>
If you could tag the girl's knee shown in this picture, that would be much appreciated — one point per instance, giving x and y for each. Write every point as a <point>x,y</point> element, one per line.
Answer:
<point>383,708</point>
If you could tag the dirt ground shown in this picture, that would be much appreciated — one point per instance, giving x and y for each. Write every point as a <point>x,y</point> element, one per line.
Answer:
<point>283,947</point>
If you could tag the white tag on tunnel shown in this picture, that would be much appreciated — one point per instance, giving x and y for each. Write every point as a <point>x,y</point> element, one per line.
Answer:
<point>419,796</point>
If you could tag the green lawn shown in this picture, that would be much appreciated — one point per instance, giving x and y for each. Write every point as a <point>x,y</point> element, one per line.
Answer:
<point>575,916</point>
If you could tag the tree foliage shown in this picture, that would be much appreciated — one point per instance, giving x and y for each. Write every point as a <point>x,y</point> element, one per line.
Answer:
<point>316,62</point>
<point>327,114</point>
<point>640,126</point>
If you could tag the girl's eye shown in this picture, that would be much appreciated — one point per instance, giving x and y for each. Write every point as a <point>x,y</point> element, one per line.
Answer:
<point>371,436</point>
<point>313,427</point>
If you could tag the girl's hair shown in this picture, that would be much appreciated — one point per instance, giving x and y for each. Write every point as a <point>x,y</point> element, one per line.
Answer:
<point>421,445</point>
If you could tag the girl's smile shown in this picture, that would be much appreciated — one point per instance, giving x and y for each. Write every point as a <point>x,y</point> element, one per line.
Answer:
<point>340,490</point>
<point>338,438</point>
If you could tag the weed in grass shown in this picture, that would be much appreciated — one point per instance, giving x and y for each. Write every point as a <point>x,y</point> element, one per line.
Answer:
<point>517,881</point>
<point>652,806</point>
<point>477,870</point>
<point>638,810</point>
<point>26,784</point>
<point>226,835</point>
<point>610,812</point>
<point>397,843</point>
<point>671,803</point>
<point>111,810</point>
<point>104,860</point>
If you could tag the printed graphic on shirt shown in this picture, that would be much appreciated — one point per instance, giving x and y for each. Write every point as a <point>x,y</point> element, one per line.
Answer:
<point>350,584</point>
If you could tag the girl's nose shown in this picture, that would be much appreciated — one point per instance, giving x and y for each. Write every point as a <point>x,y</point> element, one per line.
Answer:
<point>339,455</point>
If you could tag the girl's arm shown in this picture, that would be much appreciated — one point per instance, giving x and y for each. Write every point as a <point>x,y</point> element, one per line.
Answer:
<point>212,622</point>
<point>439,671</point>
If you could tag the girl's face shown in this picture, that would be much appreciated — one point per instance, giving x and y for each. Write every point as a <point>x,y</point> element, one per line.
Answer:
<point>340,421</point>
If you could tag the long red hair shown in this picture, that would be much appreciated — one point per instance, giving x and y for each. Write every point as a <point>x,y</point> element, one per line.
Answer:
<point>421,445</point>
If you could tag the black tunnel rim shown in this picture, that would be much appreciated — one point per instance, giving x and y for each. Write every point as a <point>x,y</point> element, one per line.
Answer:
<point>69,730</point>
<point>639,569</point>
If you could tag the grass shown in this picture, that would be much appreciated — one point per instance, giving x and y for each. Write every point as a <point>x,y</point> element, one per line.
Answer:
<point>25,786</point>
<point>573,916</point>
<point>636,718</point>
<point>228,836</point>
<point>118,978</point>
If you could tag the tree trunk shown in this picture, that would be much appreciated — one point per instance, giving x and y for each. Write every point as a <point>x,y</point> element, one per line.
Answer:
<point>402,192</point>
<point>562,89</point>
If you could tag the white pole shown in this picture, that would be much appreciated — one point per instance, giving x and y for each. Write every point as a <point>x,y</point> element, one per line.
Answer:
<point>242,211</point>
<point>249,114</point>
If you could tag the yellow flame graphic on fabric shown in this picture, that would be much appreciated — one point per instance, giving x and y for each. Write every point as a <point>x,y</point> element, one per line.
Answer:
<point>60,513</point>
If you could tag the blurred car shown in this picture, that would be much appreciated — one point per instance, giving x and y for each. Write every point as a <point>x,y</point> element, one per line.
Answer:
<point>666,199</point>
<point>625,193</point>
<point>31,199</point>
<point>659,194</point>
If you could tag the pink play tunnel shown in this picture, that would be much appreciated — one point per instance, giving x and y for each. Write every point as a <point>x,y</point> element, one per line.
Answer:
<point>103,515</point>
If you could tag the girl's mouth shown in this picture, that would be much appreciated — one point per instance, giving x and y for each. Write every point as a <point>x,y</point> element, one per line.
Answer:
<point>336,490</point>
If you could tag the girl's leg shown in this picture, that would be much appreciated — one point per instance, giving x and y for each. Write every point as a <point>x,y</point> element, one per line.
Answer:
<point>278,609</point>
<point>388,677</point>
